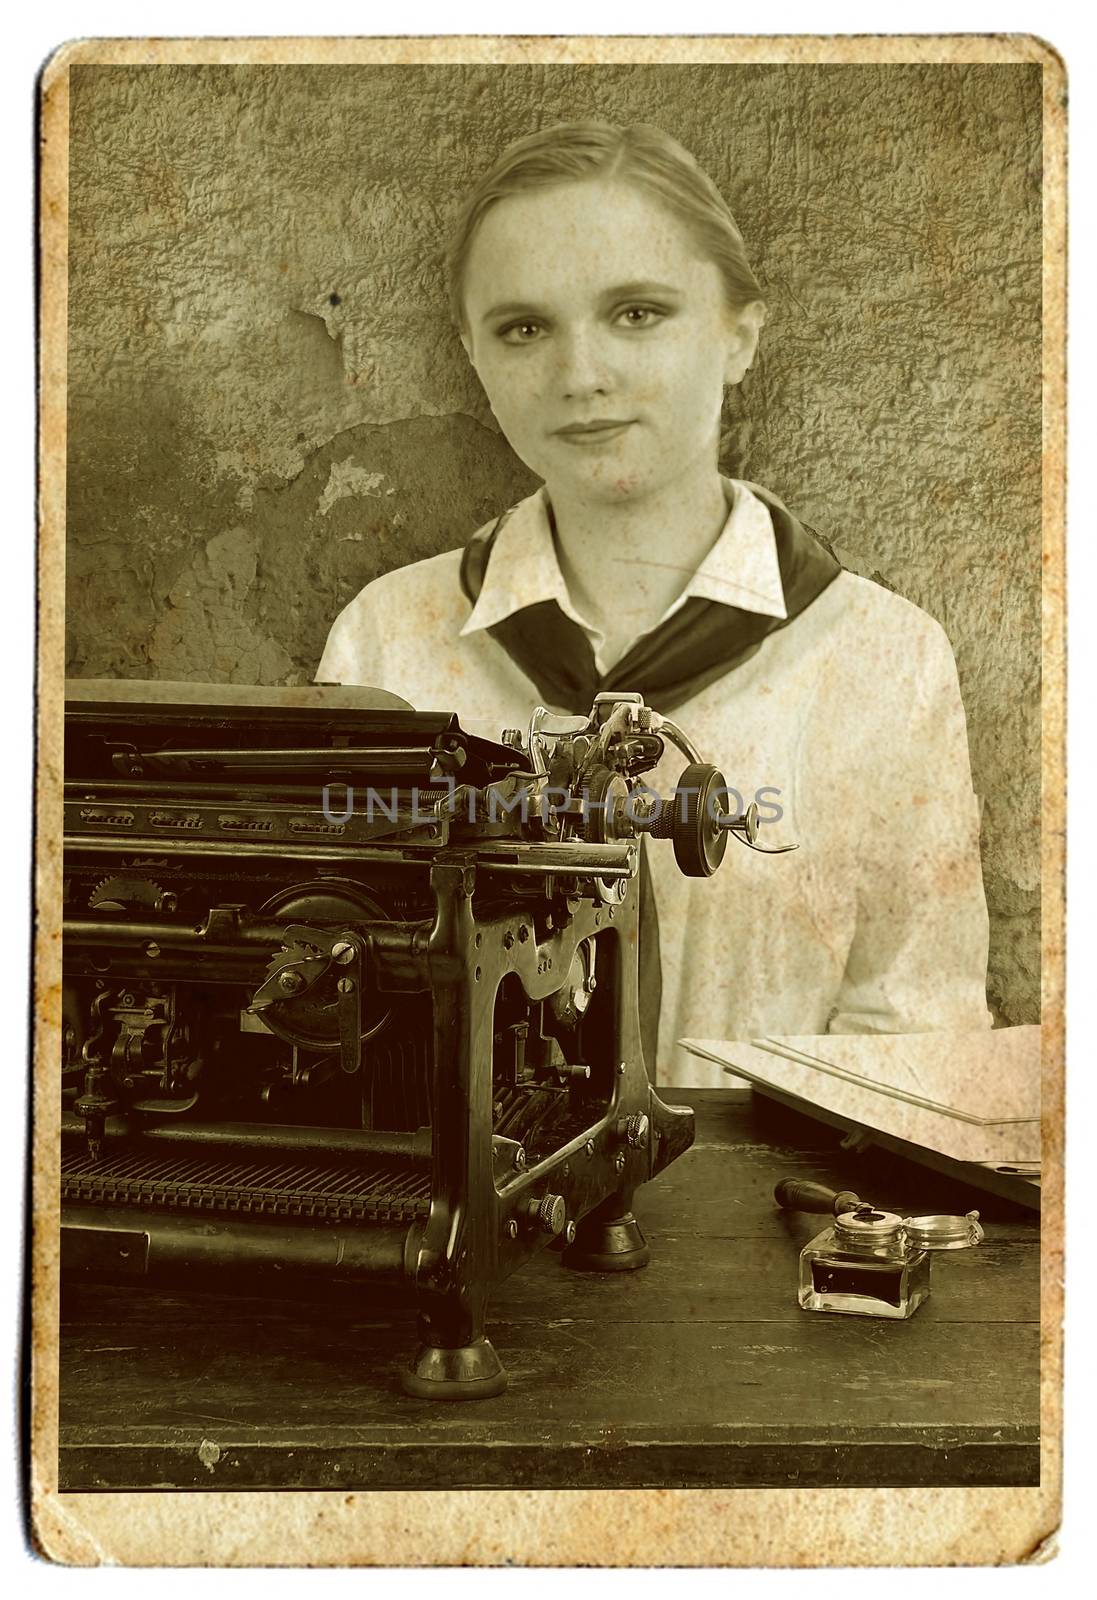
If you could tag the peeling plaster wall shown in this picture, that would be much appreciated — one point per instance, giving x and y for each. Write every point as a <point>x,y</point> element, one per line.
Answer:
<point>269,408</point>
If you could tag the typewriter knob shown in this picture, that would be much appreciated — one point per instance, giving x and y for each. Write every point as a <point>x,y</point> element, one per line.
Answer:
<point>550,1213</point>
<point>634,1130</point>
<point>699,838</point>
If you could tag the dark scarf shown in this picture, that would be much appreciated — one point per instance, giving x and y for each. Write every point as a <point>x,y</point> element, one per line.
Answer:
<point>699,644</point>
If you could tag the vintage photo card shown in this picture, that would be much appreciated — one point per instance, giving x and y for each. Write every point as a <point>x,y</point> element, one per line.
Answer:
<point>549,960</point>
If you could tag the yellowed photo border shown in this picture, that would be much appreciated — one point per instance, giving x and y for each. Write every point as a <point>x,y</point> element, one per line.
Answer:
<point>854,1527</point>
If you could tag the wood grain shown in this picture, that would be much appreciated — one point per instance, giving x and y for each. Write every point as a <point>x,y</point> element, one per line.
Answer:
<point>700,1370</point>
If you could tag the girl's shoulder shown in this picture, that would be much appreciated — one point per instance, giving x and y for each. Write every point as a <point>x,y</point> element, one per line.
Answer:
<point>429,589</point>
<point>866,602</point>
<point>881,646</point>
<point>855,606</point>
<point>870,611</point>
<point>392,626</point>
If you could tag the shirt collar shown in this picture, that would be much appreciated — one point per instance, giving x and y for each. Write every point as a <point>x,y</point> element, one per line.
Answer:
<point>740,570</point>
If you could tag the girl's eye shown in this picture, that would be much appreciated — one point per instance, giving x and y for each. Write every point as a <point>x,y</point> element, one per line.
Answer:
<point>520,332</point>
<point>641,316</point>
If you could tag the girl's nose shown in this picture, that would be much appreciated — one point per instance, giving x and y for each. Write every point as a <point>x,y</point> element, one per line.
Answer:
<point>584,367</point>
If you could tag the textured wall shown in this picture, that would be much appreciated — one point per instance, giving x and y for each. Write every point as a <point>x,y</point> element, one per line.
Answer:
<point>268,406</point>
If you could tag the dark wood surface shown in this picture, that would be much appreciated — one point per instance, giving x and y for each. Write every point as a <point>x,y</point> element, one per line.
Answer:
<point>700,1371</point>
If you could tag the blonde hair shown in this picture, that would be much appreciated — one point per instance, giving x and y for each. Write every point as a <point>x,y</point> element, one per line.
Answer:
<point>573,152</point>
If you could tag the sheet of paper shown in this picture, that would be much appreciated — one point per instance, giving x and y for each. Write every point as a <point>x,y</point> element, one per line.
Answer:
<point>991,1076</point>
<point>884,1094</point>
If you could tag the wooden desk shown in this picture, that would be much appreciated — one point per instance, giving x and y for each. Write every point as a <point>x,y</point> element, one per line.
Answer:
<point>700,1371</point>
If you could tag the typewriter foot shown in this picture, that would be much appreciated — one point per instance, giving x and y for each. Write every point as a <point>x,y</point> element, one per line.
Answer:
<point>608,1240</point>
<point>469,1372</point>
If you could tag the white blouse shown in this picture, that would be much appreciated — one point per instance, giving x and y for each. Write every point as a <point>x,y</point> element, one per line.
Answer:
<point>848,727</point>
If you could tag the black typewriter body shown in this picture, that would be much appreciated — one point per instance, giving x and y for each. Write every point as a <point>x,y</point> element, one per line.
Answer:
<point>351,992</point>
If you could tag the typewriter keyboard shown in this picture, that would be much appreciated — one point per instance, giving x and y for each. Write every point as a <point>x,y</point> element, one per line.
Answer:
<point>374,1189</point>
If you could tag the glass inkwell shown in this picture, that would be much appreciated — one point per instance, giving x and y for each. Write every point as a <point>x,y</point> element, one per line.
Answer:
<point>869,1262</point>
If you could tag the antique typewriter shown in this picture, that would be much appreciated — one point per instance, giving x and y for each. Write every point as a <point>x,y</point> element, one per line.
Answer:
<point>351,992</point>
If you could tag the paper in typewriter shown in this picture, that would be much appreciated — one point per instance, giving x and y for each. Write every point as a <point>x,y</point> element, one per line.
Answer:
<point>244,417</point>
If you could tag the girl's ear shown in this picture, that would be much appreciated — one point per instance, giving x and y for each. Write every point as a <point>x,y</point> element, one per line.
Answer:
<point>743,344</point>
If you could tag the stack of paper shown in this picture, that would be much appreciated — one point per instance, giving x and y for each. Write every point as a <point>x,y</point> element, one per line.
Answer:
<point>973,1097</point>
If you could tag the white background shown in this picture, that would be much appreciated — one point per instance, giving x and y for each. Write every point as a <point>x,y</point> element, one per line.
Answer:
<point>28,40</point>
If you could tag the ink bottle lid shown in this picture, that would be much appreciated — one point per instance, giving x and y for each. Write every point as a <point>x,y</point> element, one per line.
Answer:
<point>944,1232</point>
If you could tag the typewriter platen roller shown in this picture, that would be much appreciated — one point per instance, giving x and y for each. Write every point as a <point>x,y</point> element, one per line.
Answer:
<point>350,991</point>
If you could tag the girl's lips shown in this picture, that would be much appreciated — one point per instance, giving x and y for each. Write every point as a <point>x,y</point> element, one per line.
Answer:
<point>599,434</point>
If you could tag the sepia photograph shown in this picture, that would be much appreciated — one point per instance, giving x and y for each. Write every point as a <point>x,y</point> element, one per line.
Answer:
<point>550,805</point>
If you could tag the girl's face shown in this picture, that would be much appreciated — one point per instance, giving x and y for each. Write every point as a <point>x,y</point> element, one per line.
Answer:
<point>602,338</point>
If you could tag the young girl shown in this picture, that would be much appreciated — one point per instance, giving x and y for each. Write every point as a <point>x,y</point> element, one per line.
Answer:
<point>601,291</point>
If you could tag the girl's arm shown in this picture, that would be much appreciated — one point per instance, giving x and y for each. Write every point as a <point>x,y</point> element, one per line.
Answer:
<point>918,961</point>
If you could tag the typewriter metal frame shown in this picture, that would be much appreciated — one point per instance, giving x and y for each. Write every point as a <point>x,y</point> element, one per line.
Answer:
<point>552,918</point>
